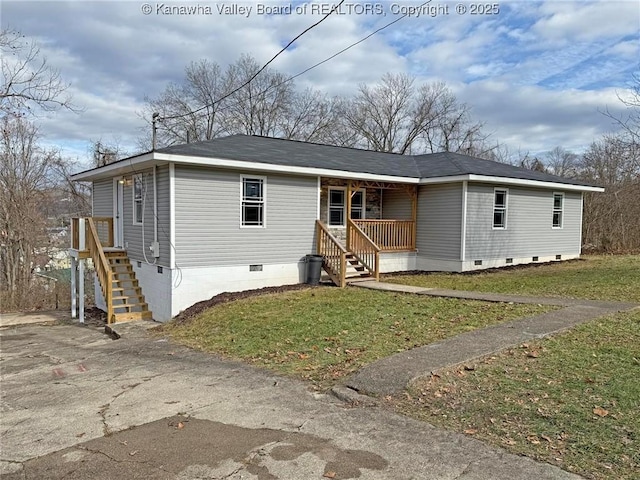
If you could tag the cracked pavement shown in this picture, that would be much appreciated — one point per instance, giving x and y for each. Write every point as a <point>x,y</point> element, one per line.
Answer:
<point>76,404</point>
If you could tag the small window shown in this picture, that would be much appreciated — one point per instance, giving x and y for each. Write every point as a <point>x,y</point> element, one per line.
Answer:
<point>500,208</point>
<point>357,205</point>
<point>252,202</point>
<point>138,196</point>
<point>558,208</point>
<point>336,208</point>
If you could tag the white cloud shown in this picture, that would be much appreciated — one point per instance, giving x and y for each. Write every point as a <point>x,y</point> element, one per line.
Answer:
<point>567,22</point>
<point>536,73</point>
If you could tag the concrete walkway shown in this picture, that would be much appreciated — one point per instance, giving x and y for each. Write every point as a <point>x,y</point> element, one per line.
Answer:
<point>392,374</point>
<point>20,318</point>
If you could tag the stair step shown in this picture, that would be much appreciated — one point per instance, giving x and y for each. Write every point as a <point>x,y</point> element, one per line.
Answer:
<point>137,290</point>
<point>128,307</point>
<point>138,296</point>
<point>131,316</point>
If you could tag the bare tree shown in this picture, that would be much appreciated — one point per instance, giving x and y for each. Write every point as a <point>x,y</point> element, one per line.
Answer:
<point>397,116</point>
<point>28,81</point>
<point>612,218</point>
<point>450,127</point>
<point>310,117</point>
<point>561,162</point>
<point>189,111</point>
<point>259,108</point>
<point>25,172</point>
<point>387,116</point>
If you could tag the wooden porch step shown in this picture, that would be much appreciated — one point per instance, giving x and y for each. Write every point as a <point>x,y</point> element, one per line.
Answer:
<point>137,290</point>
<point>129,307</point>
<point>132,316</point>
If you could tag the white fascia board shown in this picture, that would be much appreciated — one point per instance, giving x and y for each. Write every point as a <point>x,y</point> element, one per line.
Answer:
<point>269,167</point>
<point>511,181</point>
<point>121,167</point>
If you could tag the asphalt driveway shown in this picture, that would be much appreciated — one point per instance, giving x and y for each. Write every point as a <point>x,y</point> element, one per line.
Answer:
<point>77,404</point>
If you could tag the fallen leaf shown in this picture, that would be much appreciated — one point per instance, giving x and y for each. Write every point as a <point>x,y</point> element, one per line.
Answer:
<point>471,431</point>
<point>180,425</point>
<point>80,435</point>
<point>533,354</point>
<point>133,453</point>
<point>533,439</point>
<point>601,412</point>
<point>330,475</point>
<point>303,356</point>
<point>544,437</point>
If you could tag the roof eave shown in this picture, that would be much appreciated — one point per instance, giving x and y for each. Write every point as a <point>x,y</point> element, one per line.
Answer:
<point>512,181</point>
<point>147,160</point>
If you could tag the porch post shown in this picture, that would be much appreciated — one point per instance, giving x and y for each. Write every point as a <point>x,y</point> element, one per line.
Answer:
<point>81,288</point>
<point>348,213</point>
<point>74,287</point>
<point>414,215</point>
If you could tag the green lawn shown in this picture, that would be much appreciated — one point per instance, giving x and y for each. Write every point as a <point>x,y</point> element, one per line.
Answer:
<point>594,277</point>
<point>572,400</point>
<point>322,334</point>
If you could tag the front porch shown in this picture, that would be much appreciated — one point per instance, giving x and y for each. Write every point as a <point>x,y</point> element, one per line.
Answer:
<point>355,227</point>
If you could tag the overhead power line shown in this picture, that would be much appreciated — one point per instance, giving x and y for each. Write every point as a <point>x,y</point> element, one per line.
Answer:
<point>335,8</point>
<point>331,57</point>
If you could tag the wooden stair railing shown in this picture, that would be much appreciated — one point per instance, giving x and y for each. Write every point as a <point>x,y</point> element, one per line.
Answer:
<point>101,265</point>
<point>334,254</point>
<point>363,249</point>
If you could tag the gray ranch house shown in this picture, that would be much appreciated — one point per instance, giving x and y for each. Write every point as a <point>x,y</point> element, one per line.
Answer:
<point>178,225</point>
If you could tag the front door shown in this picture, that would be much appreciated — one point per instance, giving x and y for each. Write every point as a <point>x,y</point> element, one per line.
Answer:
<point>118,213</point>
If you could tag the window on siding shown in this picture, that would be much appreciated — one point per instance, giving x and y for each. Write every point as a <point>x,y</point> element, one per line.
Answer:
<point>500,208</point>
<point>137,200</point>
<point>338,206</point>
<point>558,208</point>
<point>252,202</point>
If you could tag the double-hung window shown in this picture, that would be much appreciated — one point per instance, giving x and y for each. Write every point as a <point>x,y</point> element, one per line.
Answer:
<point>138,195</point>
<point>500,208</point>
<point>558,208</point>
<point>253,202</point>
<point>338,206</point>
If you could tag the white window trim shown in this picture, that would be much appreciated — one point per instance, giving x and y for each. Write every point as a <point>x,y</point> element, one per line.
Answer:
<point>264,200</point>
<point>135,178</point>
<point>506,207</point>
<point>553,211</point>
<point>344,208</point>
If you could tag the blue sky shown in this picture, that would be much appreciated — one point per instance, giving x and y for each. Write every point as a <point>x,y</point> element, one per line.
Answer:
<point>537,73</point>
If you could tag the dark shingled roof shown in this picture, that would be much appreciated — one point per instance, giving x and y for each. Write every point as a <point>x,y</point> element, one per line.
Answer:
<point>276,151</point>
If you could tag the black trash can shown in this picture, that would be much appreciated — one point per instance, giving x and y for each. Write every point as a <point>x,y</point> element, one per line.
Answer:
<point>314,268</point>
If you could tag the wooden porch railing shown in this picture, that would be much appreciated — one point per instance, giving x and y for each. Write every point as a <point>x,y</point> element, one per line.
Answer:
<point>335,255</point>
<point>101,265</point>
<point>389,235</point>
<point>363,248</point>
<point>103,227</point>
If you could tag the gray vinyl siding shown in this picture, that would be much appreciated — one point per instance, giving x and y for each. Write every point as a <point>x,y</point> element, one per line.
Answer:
<point>529,229</point>
<point>133,234</point>
<point>396,204</point>
<point>102,198</point>
<point>439,223</point>
<point>208,217</point>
